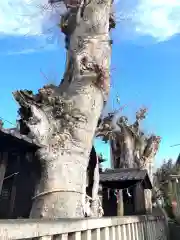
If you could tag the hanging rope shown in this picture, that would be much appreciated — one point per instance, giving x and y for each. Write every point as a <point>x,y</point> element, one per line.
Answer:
<point>123,189</point>
<point>53,191</point>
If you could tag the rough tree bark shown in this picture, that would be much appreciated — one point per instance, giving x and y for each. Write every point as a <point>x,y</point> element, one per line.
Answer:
<point>64,120</point>
<point>130,147</point>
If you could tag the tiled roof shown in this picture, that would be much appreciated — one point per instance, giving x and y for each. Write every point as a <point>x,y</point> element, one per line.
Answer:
<point>123,174</point>
<point>14,133</point>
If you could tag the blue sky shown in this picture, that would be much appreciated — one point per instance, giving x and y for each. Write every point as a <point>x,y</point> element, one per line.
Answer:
<point>145,62</point>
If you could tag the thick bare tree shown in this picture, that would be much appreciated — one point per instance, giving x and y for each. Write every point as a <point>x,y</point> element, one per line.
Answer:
<point>129,146</point>
<point>63,118</point>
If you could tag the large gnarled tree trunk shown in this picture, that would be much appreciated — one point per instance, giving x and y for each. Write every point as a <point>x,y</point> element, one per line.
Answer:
<point>130,147</point>
<point>63,119</point>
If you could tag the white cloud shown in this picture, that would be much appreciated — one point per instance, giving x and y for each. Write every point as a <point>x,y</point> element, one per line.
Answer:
<point>156,18</point>
<point>32,17</point>
<point>29,19</point>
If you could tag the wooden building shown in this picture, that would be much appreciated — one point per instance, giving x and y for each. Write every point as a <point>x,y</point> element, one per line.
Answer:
<point>19,169</point>
<point>123,191</point>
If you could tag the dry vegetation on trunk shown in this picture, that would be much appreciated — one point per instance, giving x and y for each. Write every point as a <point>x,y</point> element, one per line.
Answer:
<point>63,118</point>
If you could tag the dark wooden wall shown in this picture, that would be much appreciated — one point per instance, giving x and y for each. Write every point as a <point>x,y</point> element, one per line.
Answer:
<point>109,203</point>
<point>128,202</point>
<point>26,181</point>
<point>19,189</point>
